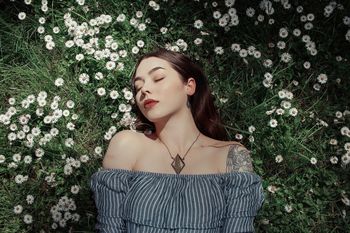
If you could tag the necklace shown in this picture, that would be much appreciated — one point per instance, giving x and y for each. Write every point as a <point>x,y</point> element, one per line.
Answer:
<point>178,163</point>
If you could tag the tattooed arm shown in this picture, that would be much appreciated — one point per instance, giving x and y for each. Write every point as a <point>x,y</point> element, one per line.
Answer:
<point>239,159</point>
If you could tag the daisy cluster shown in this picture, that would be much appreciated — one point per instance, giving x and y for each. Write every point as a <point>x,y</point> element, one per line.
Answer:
<point>251,51</point>
<point>33,133</point>
<point>228,18</point>
<point>61,213</point>
<point>101,48</point>
<point>51,112</point>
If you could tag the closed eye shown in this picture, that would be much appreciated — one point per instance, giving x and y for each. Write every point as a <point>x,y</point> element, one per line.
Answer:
<point>155,81</point>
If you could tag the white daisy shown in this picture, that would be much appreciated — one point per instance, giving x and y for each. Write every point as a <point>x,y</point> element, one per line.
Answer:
<point>101,91</point>
<point>322,78</point>
<point>250,12</point>
<point>306,38</point>
<point>55,30</point>
<point>303,18</point>
<point>286,57</point>
<point>293,111</point>
<point>70,104</point>
<point>251,129</point>
<point>243,53</point>
<point>152,3</point>
<point>2,158</point>
<point>268,63</point>
<point>333,160</point>
<point>235,47</point>
<point>198,24</point>
<point>74,189</point>
<point>41,30</point>
<point>278,158</point>
<point>232,11</point>
<point>198,41</point>
<point>300,9</point>
<point>279,111</point>
<point>163,30</point>
<point>313,160</point>
<point>287,5</point>
<point>42,20</point>
<point>139,14</point>
<point>219,50</point>
<point>308,26</point>
<point>133,21</point>
<point>345,159</point>
<point>121,18</point>
<point>283,32</point>
<point>216,14</point>
<point>22,15</point>
<point>343,131</point>
<point>235,20</point>
<point>18,209</point>
<point>346,20</point>
<point>310,17</point>
<point>156,8</point>
<point>229,3</point>
<point>282,94</point>
<point>269,10</point>
<point>307,65</point>
<point>135,50</point>
<point>79,57</point>
<point>110,65</point>
<point>223,22</point>
<point>114,94</point>
<point>286,104</point>
<point>281,44</point>
<point>288,208</point>
<point>140,43</point>
<point>141,27</point>
<point>296,32</point>
<point>257,54</point>
<point>316,86</point>
<point>273,123</point>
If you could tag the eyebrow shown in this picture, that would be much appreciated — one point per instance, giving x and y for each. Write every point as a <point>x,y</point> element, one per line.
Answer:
<point>149,73</point>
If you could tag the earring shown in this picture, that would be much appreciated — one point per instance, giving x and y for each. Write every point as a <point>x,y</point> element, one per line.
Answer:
<point>188,104</point>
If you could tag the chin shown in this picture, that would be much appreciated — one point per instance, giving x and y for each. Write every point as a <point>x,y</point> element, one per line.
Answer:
<point>155,117</point>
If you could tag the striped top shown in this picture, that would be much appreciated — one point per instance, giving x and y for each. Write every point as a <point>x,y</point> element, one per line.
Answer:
<point>142,201</point>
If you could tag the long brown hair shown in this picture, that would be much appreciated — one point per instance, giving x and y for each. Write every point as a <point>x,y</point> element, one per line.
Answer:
<point>204,112</point>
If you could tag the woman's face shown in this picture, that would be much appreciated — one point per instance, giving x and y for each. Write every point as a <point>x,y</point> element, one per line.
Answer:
<point>156,79</point>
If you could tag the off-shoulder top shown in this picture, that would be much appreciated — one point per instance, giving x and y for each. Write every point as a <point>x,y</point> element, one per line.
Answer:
<point>142,201</point>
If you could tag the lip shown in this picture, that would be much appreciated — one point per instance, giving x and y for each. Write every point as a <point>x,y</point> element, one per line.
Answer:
<point>147,101</point>
<point>150,104</point>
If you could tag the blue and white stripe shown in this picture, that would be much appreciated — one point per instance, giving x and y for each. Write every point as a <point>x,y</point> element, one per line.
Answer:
<point>140,201</point>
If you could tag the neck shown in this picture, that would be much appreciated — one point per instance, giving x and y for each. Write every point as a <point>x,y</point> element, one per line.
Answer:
<point>178,133</point>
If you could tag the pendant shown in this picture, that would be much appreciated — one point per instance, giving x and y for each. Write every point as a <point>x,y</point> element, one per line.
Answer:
<point>178,164</point>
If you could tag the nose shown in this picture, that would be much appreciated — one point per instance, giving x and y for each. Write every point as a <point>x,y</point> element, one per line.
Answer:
<point>145,87</point>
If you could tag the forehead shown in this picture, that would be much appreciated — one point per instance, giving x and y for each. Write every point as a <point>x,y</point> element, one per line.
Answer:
<point>149,63</point>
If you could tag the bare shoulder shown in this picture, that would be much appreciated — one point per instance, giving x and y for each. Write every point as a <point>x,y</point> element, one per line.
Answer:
<point>121,152</point>
<point>217,143</point>
<point>239,159</point>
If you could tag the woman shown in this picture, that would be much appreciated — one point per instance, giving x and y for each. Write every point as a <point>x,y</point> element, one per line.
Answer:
<point>179,174</point>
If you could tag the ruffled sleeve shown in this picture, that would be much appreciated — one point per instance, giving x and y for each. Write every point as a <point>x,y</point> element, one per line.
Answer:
<point>245,197</point>
<point>109,190</point>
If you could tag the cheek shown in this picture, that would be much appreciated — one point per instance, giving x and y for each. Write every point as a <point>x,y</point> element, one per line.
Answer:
<point>174,88</point>
<point>174,95</point>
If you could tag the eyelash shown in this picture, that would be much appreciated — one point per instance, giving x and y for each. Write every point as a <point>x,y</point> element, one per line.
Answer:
<point>155,80</point>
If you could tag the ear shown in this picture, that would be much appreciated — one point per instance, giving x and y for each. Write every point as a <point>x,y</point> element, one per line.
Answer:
<point>191,86</point>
